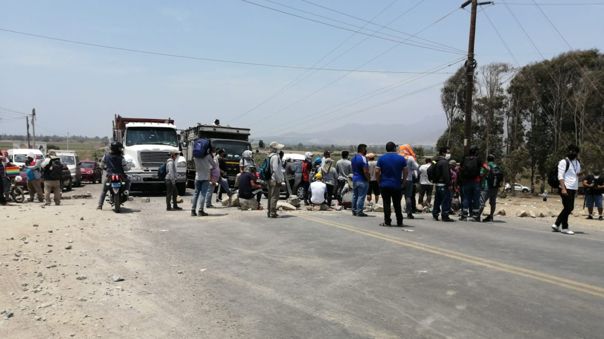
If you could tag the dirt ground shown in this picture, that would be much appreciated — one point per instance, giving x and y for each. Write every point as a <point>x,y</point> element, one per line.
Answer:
<point>73,271</point>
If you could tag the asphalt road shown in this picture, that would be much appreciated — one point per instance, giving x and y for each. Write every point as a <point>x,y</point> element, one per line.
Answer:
<point>332,275</point>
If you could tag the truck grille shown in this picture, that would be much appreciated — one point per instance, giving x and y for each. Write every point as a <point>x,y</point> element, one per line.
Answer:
<point>153,159</point>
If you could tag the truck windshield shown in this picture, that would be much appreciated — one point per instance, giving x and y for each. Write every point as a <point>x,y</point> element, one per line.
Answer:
<point>232,148</point>
<point>67,159</point>
<point>151,135</point>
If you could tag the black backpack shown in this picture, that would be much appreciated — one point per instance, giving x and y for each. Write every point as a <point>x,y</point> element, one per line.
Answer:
<point>54,170</point>
<point>495,177</point>
<point>432,173</point>
<point>162,171</point>
<point>470,168</point>
<point>552,176</point>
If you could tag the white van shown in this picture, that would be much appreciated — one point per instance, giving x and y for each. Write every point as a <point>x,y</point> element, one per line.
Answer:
<point>71,159</point>
<point>18,156</point>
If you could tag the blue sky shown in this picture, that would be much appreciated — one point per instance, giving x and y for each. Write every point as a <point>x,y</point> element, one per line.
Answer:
<point>77,89</point>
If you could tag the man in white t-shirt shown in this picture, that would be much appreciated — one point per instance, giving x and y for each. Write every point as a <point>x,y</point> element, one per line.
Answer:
<point>426,186</point>
<point>317,190</point>
<point>569,170</point>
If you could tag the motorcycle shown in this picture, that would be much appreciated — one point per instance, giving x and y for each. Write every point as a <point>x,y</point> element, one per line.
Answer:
<point>16,192</point>
<point>117,189</point>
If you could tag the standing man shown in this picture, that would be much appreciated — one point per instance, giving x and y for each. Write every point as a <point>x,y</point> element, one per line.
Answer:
<point>223,180</point>
<point>412,167</point>
<point>425,190</point>
<point>442,180</point>
<point>391,172</point>
<point>171,191</point>
<point>203,166</point>
<point>53,169</point>
<point>2,177</point>
<point>594,187</point>
<point>306,169</point>
<point>491,181</point>
<point>374,184</point>
<point>569,169</point>
<point>276,180</point>
<point>344,171</point>
<point>34,177</point>
<point>360,181</point>
<point>470,189</point>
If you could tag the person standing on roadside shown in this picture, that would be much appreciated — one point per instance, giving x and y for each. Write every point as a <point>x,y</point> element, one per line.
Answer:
<point>330,178</point>
<point>491,178</point>
<point>412,167</point>
<point>52,172</point>
<point>171,175</point>
<point>569,170</point>
<point>306,169</point>
<point>374,185</point>
<point>470,188</point>
<point>203,166</point>
<point>442,180</point>
<point>277,178</point>
<point>344,170</point>
<point>360,181</point>
<point>33,169</point>
<point>391,172</point>
<point>426,186</point>
<point>2,179</point>
<point>594,187</point>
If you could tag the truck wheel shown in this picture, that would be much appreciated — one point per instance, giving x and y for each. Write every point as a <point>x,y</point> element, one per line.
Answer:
<point>182,188</point>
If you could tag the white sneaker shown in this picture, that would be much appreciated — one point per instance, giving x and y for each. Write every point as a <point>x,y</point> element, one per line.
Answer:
<point>567,231</point>
<point>555,228</point>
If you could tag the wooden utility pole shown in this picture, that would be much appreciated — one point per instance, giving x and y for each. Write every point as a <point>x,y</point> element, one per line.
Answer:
<point>33,125</point>
<point>28,136</point>
<point>470,67</point>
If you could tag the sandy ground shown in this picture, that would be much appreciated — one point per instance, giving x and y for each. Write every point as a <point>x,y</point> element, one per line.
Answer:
<point>73,271</point>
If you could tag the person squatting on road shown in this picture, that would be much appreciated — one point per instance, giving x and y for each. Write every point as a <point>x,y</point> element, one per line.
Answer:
<point>360,181</point>
<point>112,163</point>
<point>594,188</point>
<point>374,185</point>
<point>470,188</point>
<point>276,180</point>
<point>203,166</point>
<point>426,186</point>
<point>344,170</point>
<point>442,180</point>
<point>33,170</point>
<point>171,190</point>
<point>569,170</point>
<point>391,172</point>
<point>318,192</point>
<point>248,188</point>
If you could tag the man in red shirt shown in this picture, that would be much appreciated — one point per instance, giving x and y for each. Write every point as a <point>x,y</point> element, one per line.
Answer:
<point>306,168</point>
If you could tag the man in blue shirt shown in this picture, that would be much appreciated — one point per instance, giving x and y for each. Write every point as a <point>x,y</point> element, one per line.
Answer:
<point>360,181</point>
<point>391,167</point>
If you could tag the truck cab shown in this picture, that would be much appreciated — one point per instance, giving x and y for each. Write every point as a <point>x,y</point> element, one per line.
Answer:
<point>233,140</point>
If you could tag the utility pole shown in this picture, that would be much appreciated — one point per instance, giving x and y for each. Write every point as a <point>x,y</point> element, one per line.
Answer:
<point>33,125</point>
<point>470,67</point>
<point>28,137</point>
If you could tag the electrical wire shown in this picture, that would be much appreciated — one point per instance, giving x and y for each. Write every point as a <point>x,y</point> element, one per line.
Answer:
<point>406,42</point>
<point>552,4</point>
<point>195,58</point>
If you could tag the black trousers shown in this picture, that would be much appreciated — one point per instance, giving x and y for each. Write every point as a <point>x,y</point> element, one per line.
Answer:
<point>394,195</point>
<point>568,204</point>
<point>329,194</point>
<point>2,197</point>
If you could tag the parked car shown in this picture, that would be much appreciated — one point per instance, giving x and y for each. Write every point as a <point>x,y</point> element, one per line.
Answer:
<point>517,188</point>
<point>91,171</point>
<point>18,156</point>
<point>66,179</point>
<point>71,159</point>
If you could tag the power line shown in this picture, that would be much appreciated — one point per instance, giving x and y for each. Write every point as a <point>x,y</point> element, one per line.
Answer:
<point>305,74</point>
<point>553,4</point>
<point>205,59</point>
<point>12,110</point>
<point>380,26</point>
<point>350,30</point>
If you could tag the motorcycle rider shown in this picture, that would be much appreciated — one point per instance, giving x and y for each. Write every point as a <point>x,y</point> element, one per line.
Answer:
<point>113,163</point>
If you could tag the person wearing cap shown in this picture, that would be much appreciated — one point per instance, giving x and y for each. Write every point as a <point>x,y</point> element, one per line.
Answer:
<point>171,175</point>
<point>52,172</point>
<point>33,169</point>
<point>248,187</point>
<point>374,187</point>
<point>318,190</point>
<point>276,180</point>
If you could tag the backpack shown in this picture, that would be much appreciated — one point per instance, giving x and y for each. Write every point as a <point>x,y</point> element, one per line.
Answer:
<point>552,177</point>
<point>201,147</point>
<point>470,168</point>
<point>432,173</point>
<point>162,172</point>
<point>495,177</point>
<point>54,170</point>
<point>265,169</point>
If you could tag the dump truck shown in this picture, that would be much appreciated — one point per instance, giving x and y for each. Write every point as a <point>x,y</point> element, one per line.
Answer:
<point>233,140</point>
<point>147,145</point>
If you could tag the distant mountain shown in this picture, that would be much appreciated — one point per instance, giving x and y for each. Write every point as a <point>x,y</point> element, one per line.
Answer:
<point>424,132</point>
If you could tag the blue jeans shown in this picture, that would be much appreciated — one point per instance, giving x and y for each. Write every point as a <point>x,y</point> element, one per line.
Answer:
<point>199,196</point>
<point>470,192</point>
<point>442,201</point>
<point>359,193</point>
